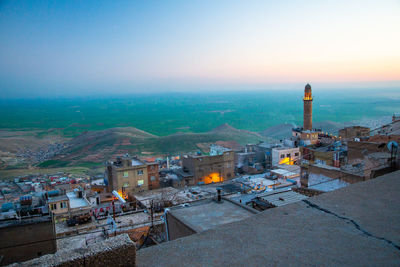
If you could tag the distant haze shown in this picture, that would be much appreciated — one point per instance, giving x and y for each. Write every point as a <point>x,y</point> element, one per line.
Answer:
<point>68,48</point>
<point>164,114</point>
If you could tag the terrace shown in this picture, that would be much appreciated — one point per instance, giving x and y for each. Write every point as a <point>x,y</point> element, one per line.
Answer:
<point>357,225</point>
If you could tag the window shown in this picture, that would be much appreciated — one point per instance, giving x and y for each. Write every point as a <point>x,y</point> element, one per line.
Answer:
<point>140,172</point>
<point>63,205</point>
<point>282,156</point>
<point>296,154</point>
<point>288,155</point>
<point>152,178</point>
<point>126,174</point>
<point>126,185</point>
<point>53,206</point>
<point>228,165</point>
<point>140,182</point>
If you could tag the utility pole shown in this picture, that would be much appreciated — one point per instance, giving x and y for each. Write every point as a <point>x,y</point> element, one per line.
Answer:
<point>113,207</point>
<point>152,213</point>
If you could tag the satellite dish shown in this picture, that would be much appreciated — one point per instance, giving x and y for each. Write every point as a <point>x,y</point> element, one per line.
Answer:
<point>392,146</point>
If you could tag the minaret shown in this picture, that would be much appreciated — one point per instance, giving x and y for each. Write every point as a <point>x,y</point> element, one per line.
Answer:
<point>307,114</point>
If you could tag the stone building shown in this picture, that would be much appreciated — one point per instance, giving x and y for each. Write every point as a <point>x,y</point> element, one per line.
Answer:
<point>209,169</point>
<point>59,205</point>
<point>25,239</point>
<point>359,150</point>
<point>330,155</point>
<point>352,132</point>
<point>153,175</point>
<point>285,155</point>
<point>127,175</point>
<point>327,168</point>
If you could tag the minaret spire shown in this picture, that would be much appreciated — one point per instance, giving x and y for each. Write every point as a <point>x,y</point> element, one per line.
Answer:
<point>307,114</point>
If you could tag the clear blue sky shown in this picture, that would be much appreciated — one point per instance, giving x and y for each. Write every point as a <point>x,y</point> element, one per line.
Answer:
<point>88,47</point>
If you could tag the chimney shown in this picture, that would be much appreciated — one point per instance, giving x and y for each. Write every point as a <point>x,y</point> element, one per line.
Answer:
<point>219,194</point>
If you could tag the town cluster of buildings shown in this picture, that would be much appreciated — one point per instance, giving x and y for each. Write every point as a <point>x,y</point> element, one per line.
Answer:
<point>156,200</point>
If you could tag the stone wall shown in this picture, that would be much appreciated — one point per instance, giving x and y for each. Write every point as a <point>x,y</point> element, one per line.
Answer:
<point>353,132</point>
<point>312,172</point>
<point>115,251</point>
<point>25,239</point>
<point>176,228</point>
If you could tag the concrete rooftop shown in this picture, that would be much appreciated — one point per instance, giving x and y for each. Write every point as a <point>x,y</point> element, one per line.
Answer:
<point>358,225</point>
<point>208,213</point>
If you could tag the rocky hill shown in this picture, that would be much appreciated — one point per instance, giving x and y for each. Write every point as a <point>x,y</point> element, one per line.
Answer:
<point>95,147</point>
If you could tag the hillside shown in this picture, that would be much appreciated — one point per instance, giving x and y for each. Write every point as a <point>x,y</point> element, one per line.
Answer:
<point>279,131</point>
<point>95,147</point>
<point>23,148</point>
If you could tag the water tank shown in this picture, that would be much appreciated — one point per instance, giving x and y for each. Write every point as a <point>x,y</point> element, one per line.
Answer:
<point>25,200</point>
<point>7,206</point>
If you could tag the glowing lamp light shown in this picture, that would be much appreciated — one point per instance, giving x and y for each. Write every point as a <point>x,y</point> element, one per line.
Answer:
<point>213,178</point>
<point>286,161</point>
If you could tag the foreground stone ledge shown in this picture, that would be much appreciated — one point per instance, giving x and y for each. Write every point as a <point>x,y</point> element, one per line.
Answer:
<point>358,225</point>
<point>115,251</point>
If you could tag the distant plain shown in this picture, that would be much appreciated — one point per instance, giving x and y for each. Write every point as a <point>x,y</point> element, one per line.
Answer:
<point>94,129</point>
<point>168,113</point>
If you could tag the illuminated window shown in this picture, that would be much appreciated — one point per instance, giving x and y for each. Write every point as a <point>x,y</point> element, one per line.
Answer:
<point>140,182</point>
<point>126,174</point>
<point>140,172</point>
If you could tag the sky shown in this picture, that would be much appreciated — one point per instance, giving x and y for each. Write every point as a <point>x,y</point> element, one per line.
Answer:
<point>96,47</point>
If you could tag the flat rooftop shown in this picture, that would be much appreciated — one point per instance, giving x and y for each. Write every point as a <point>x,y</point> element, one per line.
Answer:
<point>285,148</point>
<point>327,185</point>
<point>358,225</point>
<point>282,198</point>
<point>57,198</point>
<point>136,162</point>
<point>76,202</point>
<point>285,173</point>
<point>208,214</point>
